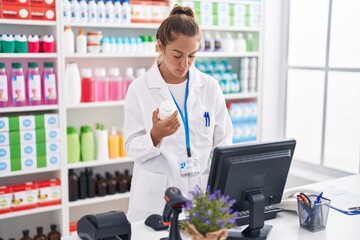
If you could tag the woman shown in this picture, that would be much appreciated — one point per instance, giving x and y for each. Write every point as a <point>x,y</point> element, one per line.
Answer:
<point>175,151</point>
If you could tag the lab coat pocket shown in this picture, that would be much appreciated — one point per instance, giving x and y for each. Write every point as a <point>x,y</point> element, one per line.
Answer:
<point>150,191</point>
<point>206,127</point>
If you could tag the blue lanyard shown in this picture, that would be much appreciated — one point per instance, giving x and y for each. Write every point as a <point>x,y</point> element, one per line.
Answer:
<point>184,118</point>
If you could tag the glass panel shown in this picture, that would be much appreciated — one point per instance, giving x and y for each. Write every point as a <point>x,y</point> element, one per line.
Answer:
<point>308,32</point>
<point>342,139</point>
<point>304,113</point>
<point>345,34</point>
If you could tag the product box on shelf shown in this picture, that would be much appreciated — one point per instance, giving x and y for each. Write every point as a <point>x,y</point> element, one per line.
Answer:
<point>141,11</point>
<point>50,120</point>
<point>4,152</point>
<point>49,192</point>
<point>15,11</point>
<point>5,166</point>
<point>42,13</point>
<point>28,163</point>
<point>53,161</point>
<point>159,11</point>
<point>42,3</point>
<point>15,2</point>
<point>25,196</point>
<point>5,199</point>
<point>29,122</point>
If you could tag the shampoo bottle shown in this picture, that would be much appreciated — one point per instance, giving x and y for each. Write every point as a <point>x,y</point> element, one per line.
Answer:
<point>4,83</point>
<point>49,84</point>
<point>33,84</point>
<point>17,87</point>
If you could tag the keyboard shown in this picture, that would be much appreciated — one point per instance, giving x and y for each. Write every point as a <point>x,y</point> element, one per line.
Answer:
<point>270,213</point>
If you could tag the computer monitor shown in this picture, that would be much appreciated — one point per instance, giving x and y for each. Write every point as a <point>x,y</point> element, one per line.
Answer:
<point>254,174</point>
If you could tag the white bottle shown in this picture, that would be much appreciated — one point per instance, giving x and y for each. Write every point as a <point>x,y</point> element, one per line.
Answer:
<point>72,83</point>
<point>84,18</point>
<point>75,11</point>
<point>92,11</point>
<point>117,12</point>
<point>240,44</point>
<point>229,43</point>
<point>109,12</point>
<point>166,108</point>
<point>102,149</point>
<point>68,43</point>
<point>81,41</point>
<point>126,12</point>
<point>66,11</point>
<point>100,11</point>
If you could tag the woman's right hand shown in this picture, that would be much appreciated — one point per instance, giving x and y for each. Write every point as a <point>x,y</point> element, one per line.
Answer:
<point>163,128</point>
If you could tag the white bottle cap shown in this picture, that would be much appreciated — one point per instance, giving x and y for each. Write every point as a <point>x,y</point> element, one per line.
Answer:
<point>129,72</point>
<point>166,109</point>
<point>114,72</point>
<point>86,72</point>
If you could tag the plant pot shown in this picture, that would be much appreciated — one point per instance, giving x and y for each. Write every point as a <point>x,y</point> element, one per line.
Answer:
<point>220,234</point>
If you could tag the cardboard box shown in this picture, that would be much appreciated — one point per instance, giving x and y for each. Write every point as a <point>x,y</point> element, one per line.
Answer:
<point>42,13</point>
<point>28,163</point>
<point>159,11</point>
<point>4,167</point>
<point>4,138</point>
<point>25,196</point>
<point>47,120</point>
<point>53,161</point>
<point>15,2</point>
<point>141,11</point>
<point>4,124</point>
<point>4,152</point>
<point>49,192</point>
<point>5,199</point>
<point>15,12</point>
<point>42,3</point>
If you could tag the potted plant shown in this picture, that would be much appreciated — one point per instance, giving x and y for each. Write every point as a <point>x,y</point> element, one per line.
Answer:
<point>209,215</point>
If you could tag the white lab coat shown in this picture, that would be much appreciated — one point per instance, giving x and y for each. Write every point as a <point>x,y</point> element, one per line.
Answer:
<point>157,168</point>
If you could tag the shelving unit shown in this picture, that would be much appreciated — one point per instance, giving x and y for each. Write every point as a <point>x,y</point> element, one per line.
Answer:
<point>110,113</point>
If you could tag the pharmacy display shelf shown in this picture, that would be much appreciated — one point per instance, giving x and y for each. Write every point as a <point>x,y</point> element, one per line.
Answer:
<point>97,163</point>
<point>96,105</point>
<point>226,54</point>
<point>27,22</point>
<point>30,212</point>
<point>29,108</point>
<point>95,200</point>
<point>28,172</point>
<point>28,55</point>
<point>229,29</point>
<point>114,25</point>
<point>111,55</point>
<point>240,96</point>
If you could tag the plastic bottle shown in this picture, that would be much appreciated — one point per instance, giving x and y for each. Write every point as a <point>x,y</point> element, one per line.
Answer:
<point>101,186</point>
<point>109,12</point>
<point>73,186</point>
<point>101,85</point>
<point>81,42</point>
<point>82,186</point>
<point>126,12</point>
<point>87,144</point>
<point>49,84</point>
<point>73,84</point>
<point>102,149</point>
<point>83,11</point>
<point>115,92</point>
<point>33,43</point>
<point>113,140</point>
<point>127,80</point>
<point>166,109</point>
<point>73,145</point>
<point>218,46</point>
<point>229,43</point>
<point>240,43</point>
<point>4,83</point>
<point>21,44</point>
<point>33,84</point>
<point>90,180</point>
<point>66,11</point>
<point>17,93</point>
<point>92,11</point>
<point>209,42</point>
<point>48,43</point>
<point>39,235</point>
<point>8,43</point>
<point>26,236</point>
<point>250,43</point>
<point>87,86</point>
<point>111,183</point>
<point>117,12</point>
<point>100,11</point>
<point>75,11</point>
<point>122,185</point>
<point>121,144</point>
<point>68,43</point>
<point>54,234</point>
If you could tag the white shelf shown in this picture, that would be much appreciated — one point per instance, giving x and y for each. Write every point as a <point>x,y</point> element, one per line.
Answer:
<point>114,25</point>
<point>238,96</point>
<point>28,22</point>
<point>96,200</point>
<point>27,172</point>
<point>227,54</point>
<point>29,108</point>
<point>229,28</point>
<point>97,163</point>
<point>96,105</point>
<point>30,212</point>
<point>28,55</point>
<point>111,55</point>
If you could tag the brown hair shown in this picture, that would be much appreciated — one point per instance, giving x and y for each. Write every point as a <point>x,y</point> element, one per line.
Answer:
<point>180,20</point>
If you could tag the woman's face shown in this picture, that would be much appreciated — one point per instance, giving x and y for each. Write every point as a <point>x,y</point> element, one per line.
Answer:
<point>178,56</point>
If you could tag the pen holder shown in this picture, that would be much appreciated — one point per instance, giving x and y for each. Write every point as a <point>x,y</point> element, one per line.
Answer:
<point>313,217</point>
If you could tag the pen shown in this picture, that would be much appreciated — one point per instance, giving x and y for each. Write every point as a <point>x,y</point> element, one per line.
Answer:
<point>318,198</point>
<point>354,209</point>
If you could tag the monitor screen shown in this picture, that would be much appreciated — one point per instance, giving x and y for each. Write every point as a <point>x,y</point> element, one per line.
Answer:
<point>254,174</point>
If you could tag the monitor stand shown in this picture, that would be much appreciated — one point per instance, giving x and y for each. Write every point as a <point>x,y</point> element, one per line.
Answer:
<point>256,229</point>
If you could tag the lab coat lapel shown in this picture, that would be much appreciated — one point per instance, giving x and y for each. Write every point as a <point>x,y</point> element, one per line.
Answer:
<point>194,87</point>
<point>155,80</point>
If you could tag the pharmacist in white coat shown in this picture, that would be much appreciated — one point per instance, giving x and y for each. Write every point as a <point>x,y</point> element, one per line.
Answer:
<point>175,151</point>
